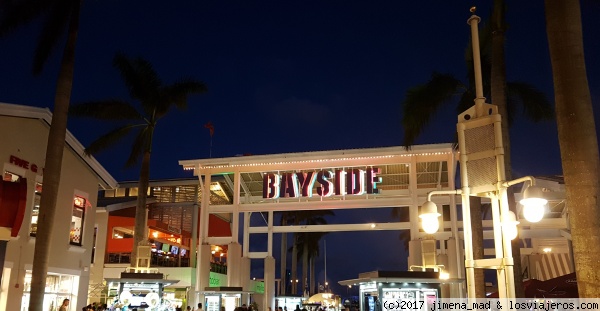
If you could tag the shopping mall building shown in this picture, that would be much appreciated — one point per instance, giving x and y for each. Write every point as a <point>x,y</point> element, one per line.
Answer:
<point>22,152</point>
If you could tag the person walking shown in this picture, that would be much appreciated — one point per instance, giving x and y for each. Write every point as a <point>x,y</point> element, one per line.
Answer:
<point>65,305</point>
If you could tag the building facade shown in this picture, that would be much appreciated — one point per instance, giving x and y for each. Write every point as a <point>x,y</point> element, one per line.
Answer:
<point>22,155</point>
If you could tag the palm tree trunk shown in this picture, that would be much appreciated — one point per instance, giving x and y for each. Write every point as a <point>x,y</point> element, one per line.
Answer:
<point>53,165</point>
<point>498,89</point>
<point>295,265</point>
<point>477,241</point>
<point>283,283</point>
<point>305,266</point>
<point>141,217</point>
<point>577,138</point>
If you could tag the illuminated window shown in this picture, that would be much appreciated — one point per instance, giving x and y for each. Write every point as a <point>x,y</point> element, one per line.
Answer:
<point>77,218</point>
<point>109,193</point>
<point>120,192</point>
<point>8,176</point>
<point>133,192</point>
<point>36,209</point>
<point>122,233</point>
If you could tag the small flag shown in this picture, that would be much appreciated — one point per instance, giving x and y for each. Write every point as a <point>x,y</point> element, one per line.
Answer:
<point>210,128</point>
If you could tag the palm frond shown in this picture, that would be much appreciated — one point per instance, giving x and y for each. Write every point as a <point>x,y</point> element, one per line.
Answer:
<point>109,139</point>
<point>140,145</point>
<point>535,104</point>
<point>421,103</point>
<point>110,109</point>
<point>54,27</point>
<point>404,236</point>
<point>19,13</point>
<point>139,77</point>
<point>179,91</point>
<point>401,213</point>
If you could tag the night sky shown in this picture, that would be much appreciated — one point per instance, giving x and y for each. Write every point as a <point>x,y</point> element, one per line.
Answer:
<point>293,76</point>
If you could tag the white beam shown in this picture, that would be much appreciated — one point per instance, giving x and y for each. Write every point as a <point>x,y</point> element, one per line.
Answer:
<point>334,227</point>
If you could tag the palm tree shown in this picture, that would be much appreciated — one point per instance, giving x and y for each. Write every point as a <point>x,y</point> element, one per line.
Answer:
<point>424,100</point>
<point>156,100</point>
<point>310,217</point>
<point>309,251</point>
<point>285,216</point>
<point>577,138</point>
<point>498,92</point>
<point>60,17</point>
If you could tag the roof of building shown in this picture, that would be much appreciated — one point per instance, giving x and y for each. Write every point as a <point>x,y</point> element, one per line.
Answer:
<point>44,115</point>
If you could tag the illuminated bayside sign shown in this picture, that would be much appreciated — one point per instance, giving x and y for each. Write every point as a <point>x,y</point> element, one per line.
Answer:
<point>337,182</point>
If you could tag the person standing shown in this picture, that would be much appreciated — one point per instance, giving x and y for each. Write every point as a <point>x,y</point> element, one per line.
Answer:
<point>199,307</point>
<point>64,306</point>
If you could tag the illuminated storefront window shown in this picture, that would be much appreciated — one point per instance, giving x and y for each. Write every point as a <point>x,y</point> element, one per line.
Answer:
<point>58,288</point>
<point>77,218</point>
<point>8,176</point>
<point>36,209</point>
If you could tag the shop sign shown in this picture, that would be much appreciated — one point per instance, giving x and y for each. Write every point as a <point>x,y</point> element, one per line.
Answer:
<point>217,279</point>
<point>23,163</point>
<point>330,182</point>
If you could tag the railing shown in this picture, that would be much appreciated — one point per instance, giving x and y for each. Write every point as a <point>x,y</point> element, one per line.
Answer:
<point>158,260</point>
<point>218,267</point>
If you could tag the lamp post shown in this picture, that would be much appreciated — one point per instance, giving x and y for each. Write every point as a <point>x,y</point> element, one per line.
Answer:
<point>482,174</point>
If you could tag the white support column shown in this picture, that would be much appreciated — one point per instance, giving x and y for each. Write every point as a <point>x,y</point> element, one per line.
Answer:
<point>507,248</point>
<point>204,254</point>
<point>202,272</point>
<point>454,261</point>
<point>468,233</point>
<point>414,207</point>
<point>234,260</point>
<point>414,253</point>
<point>245,273</point>
<point>269,297</point>
<point>458,263</point>
<point>270,233</point>
<point>237,179</point>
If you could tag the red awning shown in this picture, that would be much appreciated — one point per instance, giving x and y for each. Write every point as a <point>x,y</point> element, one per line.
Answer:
<point>13,199</point>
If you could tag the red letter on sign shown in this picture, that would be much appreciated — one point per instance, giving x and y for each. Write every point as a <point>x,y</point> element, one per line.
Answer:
<point>307,180</point>
<point>271,186</point>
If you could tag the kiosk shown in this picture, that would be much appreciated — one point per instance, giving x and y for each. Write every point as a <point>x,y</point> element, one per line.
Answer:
<point>138,290</point>
<point>417,289</point>
<point>224,298</point>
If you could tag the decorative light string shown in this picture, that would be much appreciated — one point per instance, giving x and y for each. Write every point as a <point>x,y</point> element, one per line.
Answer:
<point>315,161</point>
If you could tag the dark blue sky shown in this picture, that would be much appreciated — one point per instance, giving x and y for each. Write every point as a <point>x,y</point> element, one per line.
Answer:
<point>291,76</point>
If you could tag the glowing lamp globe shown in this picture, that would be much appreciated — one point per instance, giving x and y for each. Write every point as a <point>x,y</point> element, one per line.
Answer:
<point>429,217</point>
<point>533,204</point>
<point>509,225</point>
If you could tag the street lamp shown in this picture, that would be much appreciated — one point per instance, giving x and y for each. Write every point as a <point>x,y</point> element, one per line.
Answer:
<point>509,225</point>
<point>533,203</point>
<point>482,173</point>
<point>429,217</point>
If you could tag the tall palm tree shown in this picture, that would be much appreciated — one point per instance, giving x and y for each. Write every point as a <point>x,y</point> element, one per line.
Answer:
<point>156,100</point>
<point>60,18</point>
<point>498,92</point>
<point>309,251</point>
<point>577,138</point>
<point>310,217</point>
<point>285,216</point>
<point>424,100</point>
